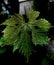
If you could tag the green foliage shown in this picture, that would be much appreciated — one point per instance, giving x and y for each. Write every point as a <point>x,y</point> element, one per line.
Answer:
<point>39,37</point>
<point>2,50</point>
<point>1,41</point>
<point>44,62</point>
<point>50,55</point>
<point>23,43</point>
<point>43,24</point>
<point>22,35</point>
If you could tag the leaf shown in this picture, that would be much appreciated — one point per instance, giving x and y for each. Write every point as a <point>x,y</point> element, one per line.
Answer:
<point>23,34</point>
<point>2,41</point>
<point>12,29</point>
<point>11,34</point>
<point>24,44</point>
<point>2,50</point>
<point>19,18</point>
<point>32,15</point>
<point>43,24</point>
<point>39,38</point>
<point>15,19</point>
<point>9,22</point>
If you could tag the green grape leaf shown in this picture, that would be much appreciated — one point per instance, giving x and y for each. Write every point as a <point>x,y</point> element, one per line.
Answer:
<point>2,41</point>
<point>23,34</point>
<point>32,15</point>
<point>15,19</point>
<point>43,24</point>
<point>12,29</point>
<point>23,43</point>
<point>39,37</point>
